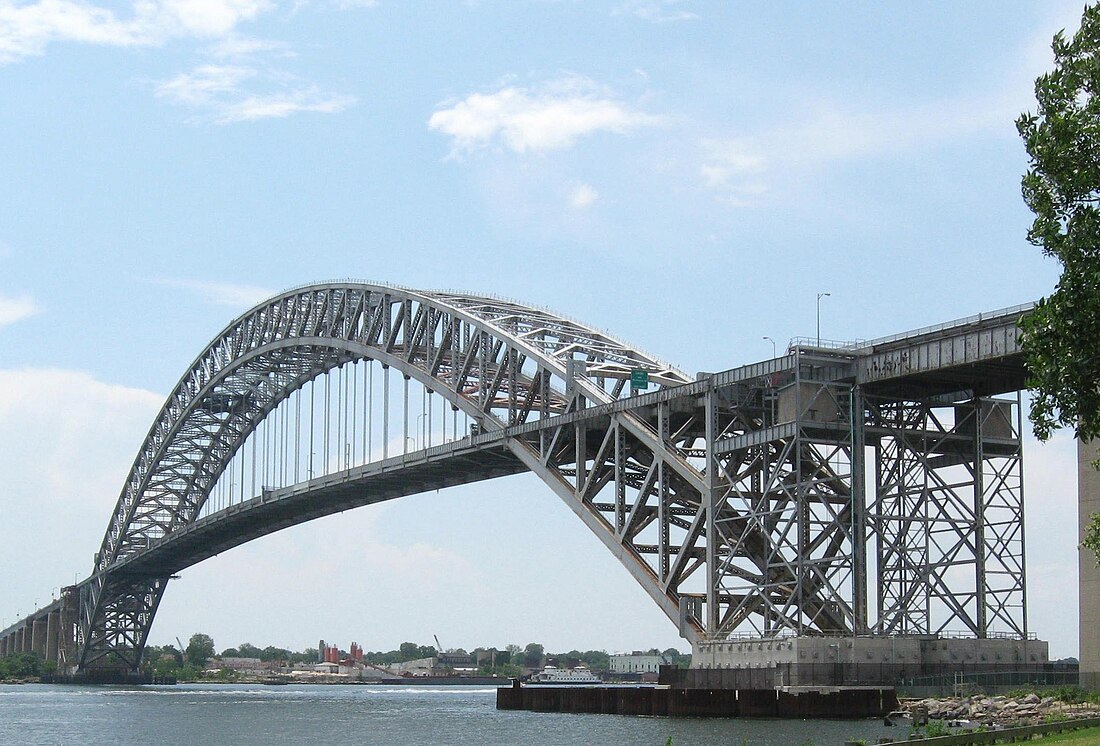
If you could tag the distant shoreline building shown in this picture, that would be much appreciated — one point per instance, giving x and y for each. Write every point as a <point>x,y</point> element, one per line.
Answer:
<point>635,663</point>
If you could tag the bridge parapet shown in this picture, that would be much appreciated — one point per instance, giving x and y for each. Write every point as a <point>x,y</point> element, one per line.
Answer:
<point>981,354</point>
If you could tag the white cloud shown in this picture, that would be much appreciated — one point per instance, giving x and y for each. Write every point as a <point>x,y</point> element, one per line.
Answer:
<point>657,11</point>
<point>218,91</point>
<point>828,133</point>
<point>222,293</point>
<point>583,195</point>
<point>69,440</point>
<point>13,309</point>
<point>283,104</point>
<point>203,84</point>
<point>550,117</point>
<point>728,158</point>
<point>28,28</point>
<point>235,46</point>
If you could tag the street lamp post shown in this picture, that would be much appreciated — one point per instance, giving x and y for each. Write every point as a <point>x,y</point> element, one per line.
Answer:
<point>774,354</point>
<point>819,297</point>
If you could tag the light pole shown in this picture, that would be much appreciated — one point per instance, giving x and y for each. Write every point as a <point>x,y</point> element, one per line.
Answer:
<point>819,297</point>
<point>774,354</point>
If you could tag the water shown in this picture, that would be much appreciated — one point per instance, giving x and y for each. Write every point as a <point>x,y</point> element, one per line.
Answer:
<point>244,714</point>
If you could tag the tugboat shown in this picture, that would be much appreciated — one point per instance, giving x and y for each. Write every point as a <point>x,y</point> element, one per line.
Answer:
<point>555,675</point>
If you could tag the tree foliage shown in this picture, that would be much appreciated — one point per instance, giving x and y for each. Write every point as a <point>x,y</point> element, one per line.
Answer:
<point>23,666</point>
<point>532,655</point>
<point>248,650</point>
<point>200,649</point>
<point>1062,188</point>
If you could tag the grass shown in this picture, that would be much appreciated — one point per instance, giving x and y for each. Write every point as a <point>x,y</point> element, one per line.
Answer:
<point>1087,736</point>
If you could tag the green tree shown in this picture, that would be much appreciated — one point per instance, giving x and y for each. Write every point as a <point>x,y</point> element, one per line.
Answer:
<point>21,666</point>
<point>272,653</point>
<point>248,650</point>
<point>1062,188</point>
<point>597,660</point>
<point>309,655</point>
<point>532,655</point>
<point>200,649</point>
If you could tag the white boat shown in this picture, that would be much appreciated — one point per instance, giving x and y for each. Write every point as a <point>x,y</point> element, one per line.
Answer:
<point>555,675</point>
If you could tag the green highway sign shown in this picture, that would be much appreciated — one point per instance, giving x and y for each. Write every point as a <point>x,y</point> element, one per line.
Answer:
<point>639,379</point>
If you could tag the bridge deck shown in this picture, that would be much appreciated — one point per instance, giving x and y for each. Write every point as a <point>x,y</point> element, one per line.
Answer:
<point>460,462</point>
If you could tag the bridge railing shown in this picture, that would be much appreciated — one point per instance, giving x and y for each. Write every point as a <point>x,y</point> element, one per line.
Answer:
<point>1017,310</point>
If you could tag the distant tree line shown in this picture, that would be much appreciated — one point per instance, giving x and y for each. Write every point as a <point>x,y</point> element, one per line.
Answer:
<point>188,664</point>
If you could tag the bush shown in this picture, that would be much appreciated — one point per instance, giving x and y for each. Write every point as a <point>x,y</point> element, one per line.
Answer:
<point>22,666</point>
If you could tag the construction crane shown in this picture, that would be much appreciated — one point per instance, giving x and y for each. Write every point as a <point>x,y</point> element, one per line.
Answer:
<point>438,647</point>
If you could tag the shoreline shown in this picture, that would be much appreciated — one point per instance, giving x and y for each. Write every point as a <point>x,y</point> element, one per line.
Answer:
<point>1001,710</point>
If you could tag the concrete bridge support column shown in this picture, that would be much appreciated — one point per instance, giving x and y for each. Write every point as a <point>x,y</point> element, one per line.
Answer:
<point>3,646</point>
<point>1088,577</point>
<point>70,613</point>
<point>53,624</point>
<point>38,637</point>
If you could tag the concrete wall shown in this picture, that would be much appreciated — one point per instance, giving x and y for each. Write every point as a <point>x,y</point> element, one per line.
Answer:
<point>983,652</point>
<point>764,653</point>
<point>1088,502</point>
<point>868,660</point>
<point>815,402</point>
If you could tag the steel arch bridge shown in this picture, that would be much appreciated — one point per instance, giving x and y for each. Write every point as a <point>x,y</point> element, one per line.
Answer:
<point>735,499</point>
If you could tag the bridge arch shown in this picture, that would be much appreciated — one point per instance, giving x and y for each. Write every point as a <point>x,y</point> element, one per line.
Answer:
<point>502,363</point>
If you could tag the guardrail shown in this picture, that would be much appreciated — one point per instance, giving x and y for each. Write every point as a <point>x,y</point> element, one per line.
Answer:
<point>1007,735</point>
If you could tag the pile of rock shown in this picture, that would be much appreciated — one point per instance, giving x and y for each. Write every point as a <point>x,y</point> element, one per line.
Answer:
<point>1005,711</point>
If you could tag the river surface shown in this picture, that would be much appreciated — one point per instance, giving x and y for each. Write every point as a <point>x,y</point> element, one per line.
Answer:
<point>256,714</point>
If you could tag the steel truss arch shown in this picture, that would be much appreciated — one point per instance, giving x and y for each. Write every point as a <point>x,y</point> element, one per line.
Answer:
<point>502,363</point>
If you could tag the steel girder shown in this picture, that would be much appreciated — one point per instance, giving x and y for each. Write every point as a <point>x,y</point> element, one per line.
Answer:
<point>735,500</point>
<point>786,452</point>
<point>948,516</point>
<point>500,362</point>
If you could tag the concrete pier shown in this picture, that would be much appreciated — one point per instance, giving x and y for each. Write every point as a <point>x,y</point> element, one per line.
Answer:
<point>70,615</point>
<point>862,660</point>
<point>53,623</point>
<point>38,637</point>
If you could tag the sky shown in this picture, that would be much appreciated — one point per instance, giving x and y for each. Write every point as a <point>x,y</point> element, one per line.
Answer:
<point>689,175</point>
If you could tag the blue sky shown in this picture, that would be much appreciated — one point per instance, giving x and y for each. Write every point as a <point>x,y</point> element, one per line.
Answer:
<point>688,175</point>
